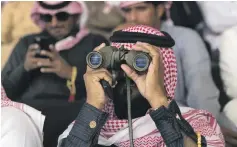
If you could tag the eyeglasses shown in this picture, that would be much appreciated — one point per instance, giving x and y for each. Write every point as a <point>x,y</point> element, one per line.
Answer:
<point>61,16</point>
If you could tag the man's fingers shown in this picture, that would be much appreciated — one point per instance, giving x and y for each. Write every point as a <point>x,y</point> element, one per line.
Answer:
<point>88,69</point>
<point>32,50</point>
<point>49,54</point>
<point>33,62</point>
<point>102,70</point>
<point>228,132</point>
<point>139,47</point>
<point>102,75</point>
<point>147,48</point>
<point>231,140</point>
<point>100,46</point>
<point>48,70</point>
<point>52,49</point>
<point>130,73</point>
<point>96,49</point>
<point>44,63</point>
<point>153,52</point>
<point>231,134</point>
<point>32,53</point>
<point>108,79</point>
<point>33,47</point>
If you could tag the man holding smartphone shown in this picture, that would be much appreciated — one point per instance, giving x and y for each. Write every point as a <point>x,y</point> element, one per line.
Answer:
<point>47,84</point>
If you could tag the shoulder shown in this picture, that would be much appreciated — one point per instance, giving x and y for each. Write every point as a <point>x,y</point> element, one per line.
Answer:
<point>25,41</point>
<point>29,36</point>
<point>183,33</point>
<point>187,40</point>
<point>228,43</point>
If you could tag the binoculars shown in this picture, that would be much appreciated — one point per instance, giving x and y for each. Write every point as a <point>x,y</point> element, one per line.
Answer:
<point>111,58</point>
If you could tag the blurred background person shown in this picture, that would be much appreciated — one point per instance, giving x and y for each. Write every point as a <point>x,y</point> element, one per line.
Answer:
<point>50,78</point>
<point>228,67</point>
<point>16,22</point>
<point>103,17</point>
<point>218,17</point>
<point>18,122</point>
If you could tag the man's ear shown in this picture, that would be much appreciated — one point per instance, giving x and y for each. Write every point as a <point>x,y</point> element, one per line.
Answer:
<point>160,10</point>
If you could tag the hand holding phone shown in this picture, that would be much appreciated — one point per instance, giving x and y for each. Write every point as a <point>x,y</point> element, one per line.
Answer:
<point>30,62</point>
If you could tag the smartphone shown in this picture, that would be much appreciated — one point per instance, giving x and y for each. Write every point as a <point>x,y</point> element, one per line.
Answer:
<point>43,43</point>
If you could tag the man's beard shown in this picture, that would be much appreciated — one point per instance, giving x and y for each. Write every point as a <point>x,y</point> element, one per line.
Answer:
<point>55,32</point>
<point>139,105</point>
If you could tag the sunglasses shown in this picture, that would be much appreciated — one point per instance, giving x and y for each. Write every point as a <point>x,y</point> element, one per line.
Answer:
<point>61,16</point>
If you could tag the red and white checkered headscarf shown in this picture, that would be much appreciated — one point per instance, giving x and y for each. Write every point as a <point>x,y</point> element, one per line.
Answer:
<point>170,68</point>
<point>74,7</point>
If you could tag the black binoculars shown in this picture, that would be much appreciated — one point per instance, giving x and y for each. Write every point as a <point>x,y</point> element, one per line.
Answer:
<point>111,58</point>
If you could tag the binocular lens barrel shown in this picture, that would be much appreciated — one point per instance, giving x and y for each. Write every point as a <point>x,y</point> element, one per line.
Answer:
<point>94,60</point>
<point>141,62</point>
<point>112,58</point>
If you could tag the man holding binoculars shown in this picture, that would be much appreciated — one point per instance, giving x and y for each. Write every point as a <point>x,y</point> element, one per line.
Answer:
<point>163,123</point>
<point>148,86</point>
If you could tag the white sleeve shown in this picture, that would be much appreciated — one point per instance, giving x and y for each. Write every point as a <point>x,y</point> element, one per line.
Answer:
<point>64,134</point>
<point>219,16</point>
<point>228,61</point>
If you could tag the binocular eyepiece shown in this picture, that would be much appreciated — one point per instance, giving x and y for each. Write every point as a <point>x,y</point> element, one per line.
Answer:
<point>111,58</point>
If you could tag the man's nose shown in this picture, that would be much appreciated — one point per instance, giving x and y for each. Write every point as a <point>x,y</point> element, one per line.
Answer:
<point>133,16</point>
<point>54,21</point>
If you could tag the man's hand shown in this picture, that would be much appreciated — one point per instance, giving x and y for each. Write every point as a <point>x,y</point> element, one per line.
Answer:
<point>151,85</point>
<point>95,92</point>
<point>30,59</point>
<point>230,137</point>
<point>54,64</point>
